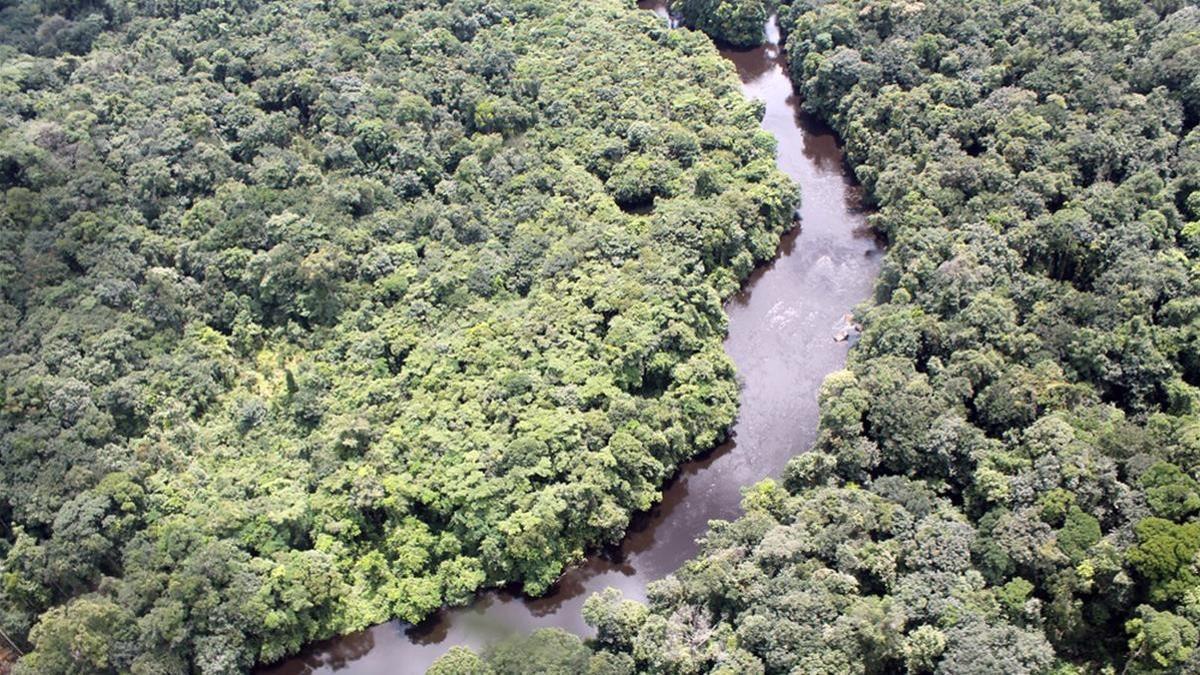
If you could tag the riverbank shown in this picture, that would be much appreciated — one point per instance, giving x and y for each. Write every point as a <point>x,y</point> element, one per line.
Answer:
<point>782,326</point>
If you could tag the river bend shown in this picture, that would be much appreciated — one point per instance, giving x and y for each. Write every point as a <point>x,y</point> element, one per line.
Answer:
<point>781,337</point>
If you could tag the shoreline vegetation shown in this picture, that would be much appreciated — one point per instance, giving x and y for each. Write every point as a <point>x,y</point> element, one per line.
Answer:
<point>1005,478</point>
<point>316,315</point>
<point>737,23</point>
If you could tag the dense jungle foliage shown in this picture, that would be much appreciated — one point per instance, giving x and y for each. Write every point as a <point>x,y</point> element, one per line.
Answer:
<point>316,314</point>
<point>1006,475</point>
<point>738,23</point>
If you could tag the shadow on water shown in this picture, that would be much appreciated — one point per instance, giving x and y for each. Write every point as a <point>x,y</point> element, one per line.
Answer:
<point>781,327</point>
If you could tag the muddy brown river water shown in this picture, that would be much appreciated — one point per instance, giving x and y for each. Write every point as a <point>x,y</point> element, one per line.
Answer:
<point>781,338</point>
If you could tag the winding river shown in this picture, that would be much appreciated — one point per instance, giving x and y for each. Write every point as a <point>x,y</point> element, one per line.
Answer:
<point>782,329</point>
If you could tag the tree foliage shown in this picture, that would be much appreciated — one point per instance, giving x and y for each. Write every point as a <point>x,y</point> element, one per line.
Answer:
<point>1005,475</point>
<point>317,314</point>
<point>738,23</point>
<point>1028,351</point>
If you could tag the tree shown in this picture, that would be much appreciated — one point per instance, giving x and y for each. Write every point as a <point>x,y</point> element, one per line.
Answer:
<point>549,650</point>
<point>1160,640</point>
<point>738,23</point>
<point>1172,494</point>
<point>79,637</point>
<point>459,661</point>
<point>291,349</point>
<point>1165,556</point>
<point>1079,532</point>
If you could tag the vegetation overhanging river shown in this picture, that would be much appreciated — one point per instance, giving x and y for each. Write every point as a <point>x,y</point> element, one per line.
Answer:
<point>781,337</point>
